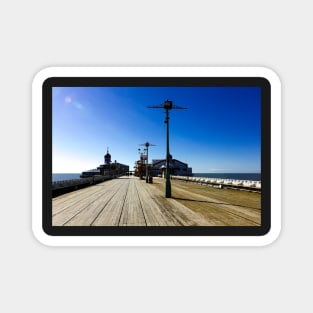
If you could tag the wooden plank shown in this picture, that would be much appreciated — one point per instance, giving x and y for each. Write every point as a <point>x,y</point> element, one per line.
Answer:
<point>65,201</point>
<point>221,213</point>
<point>111,212</point>
<point>132,214</point>
<point>151,208</point>
<point>244,212</point>
<point>167,211</point>
<point>76,209</point>
<point>130,201</point>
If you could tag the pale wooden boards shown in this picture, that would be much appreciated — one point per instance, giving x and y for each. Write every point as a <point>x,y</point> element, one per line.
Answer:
<point>129,201</point>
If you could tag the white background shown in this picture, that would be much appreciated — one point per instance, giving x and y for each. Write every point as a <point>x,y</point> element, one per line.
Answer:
<point>38,34</point>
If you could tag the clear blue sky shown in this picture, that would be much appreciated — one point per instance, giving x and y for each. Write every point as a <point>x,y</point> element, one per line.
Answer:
<point>219,132</point>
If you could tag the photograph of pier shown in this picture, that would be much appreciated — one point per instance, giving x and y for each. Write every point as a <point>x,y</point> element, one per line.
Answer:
<point>156,156</point>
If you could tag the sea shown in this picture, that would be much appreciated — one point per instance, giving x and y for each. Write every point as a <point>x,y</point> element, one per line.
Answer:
<point>64,176</point>
<point>239,176</point>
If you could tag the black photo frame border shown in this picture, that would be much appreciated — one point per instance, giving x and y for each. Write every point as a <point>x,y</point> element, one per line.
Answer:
<point>261,82</point>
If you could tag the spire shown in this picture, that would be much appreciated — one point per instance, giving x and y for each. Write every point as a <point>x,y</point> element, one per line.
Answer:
<point>107,157</point>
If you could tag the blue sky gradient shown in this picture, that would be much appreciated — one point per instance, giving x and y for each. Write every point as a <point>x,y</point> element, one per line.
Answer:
<point>219,132</point>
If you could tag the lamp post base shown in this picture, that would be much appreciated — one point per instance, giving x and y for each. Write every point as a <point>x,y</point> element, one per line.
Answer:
<point>168,188</point>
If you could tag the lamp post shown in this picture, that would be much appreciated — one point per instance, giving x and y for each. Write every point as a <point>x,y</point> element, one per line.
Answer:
<point>168,187</point>
<point>140,164</point>
<point>167,105</point>
<point>147,145</point>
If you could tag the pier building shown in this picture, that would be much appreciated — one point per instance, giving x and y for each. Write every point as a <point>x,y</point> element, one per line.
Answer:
<point>158,167</point>
<point>109,168</point>
<point>177,167</point>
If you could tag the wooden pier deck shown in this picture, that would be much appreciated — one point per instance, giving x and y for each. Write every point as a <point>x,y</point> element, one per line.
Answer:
<point>129,201</point>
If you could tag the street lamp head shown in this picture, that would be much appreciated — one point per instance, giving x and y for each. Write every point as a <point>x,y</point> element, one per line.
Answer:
<point>168,104</point>
<point>147,144</point>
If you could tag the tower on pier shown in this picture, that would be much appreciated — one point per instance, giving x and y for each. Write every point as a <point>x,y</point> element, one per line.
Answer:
<point>107,157</point>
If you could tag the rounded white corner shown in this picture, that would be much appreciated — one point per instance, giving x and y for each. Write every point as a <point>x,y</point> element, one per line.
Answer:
<point>39,233</point>
<point>42,75</point>
<point>272,236</point>
<point>40,237</point>
<point>271,75</point>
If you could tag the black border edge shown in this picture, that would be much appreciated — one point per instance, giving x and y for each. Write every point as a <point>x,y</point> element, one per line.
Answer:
<point>159,230</point>
<point>47,155</point>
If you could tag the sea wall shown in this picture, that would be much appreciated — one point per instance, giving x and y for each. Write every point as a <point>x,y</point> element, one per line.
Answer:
<point>65,186</point>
